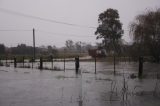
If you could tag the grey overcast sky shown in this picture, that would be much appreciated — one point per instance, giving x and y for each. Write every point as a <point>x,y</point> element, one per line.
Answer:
<point>81,12</point>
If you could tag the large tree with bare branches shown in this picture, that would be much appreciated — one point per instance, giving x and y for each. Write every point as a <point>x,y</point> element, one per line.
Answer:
<point>145,31</point>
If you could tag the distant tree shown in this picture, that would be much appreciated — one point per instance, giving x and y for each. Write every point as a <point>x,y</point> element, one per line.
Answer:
<point>146,33</point>
<point>78,46</point>
<point>2,49</point>
<point>69,44</point>
<point>50,49</point>
<point>88,47</point>
<point>22,49</point>
<point>82,47</point>
<point>54,51</point>
<point>110,29</point>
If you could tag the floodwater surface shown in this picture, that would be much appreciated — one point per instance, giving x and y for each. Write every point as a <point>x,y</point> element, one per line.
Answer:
<point>34,87</point>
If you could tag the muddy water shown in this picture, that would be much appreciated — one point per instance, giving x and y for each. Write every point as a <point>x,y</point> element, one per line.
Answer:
<point>32,87</point>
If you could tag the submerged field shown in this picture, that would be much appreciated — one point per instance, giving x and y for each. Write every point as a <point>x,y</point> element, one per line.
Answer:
<point>34,87</point>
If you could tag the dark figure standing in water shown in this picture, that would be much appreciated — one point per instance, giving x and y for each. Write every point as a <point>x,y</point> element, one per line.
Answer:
<point>77,64</point>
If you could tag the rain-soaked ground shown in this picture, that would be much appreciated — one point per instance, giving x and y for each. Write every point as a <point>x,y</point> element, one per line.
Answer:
<point>34,87</point>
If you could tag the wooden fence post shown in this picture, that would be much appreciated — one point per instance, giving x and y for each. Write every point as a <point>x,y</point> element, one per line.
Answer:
<point>114,64</point>
<point>32,61</point>
<point>77,64</point>
<point>95,65</point>
<point>15,62</point>
<point>23,61</point>
<point>41,63</point>
<point>52,61</point>
<point>64,64</point>
<point>140,67</point>
<point>6,61</point>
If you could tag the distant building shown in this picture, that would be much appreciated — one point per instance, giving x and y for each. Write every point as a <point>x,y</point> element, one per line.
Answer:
<point>97,52</point>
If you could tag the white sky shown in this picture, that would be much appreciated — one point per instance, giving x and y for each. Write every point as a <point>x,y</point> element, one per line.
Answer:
<point>81,12</point>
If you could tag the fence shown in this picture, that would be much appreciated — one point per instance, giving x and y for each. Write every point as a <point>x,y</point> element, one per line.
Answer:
<point>112,64</point>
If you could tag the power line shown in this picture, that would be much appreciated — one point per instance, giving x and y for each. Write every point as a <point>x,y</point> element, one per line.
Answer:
<point>43,19</point>
<point>53,33</point>
<point>64,34</point>
<point>47,20</point>
<point>13,30</point>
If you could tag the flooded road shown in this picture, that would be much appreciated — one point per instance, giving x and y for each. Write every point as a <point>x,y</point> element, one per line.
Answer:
<point>33,87</point>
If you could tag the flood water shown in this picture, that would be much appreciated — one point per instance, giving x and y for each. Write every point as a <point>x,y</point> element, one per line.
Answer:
<point>34,87</point>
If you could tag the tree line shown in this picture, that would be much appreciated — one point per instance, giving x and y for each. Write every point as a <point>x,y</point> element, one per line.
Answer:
<point>71,47</point>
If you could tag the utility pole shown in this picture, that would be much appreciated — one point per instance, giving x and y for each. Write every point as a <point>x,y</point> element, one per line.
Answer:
<point>34,50</point>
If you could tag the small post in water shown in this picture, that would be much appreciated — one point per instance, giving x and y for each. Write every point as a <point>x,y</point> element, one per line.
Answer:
<point>15,62</point>
<point>52,61</point>
<point>95,65</point>
<point>0,62</point>
<point>114,64</point>
<point>140,67</point>
<point>64,64</point>
<point>23,61</point>
<point>32,61</point>
<point>77,64</point>
<point>41,63</point>
<point>6,61</point>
